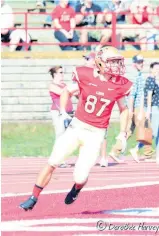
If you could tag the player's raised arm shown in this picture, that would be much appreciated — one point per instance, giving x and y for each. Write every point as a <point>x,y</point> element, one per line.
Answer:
<point>70,90</point>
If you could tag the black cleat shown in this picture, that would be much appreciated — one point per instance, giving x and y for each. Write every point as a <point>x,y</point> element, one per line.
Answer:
<point>29,204</point>
<point>72,195</point>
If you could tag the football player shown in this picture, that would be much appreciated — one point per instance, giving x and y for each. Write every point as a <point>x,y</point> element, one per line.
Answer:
<point>99,88</point>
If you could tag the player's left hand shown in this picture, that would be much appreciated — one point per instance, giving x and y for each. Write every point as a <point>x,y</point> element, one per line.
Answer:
<point>122,138</point>
<point>67,122</point>
<point>66,118</point>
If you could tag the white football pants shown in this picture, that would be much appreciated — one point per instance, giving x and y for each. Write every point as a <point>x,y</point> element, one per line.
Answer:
<point>82,135</point>
<point>57,123</point>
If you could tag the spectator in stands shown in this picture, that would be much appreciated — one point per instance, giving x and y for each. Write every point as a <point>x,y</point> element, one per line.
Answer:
<point>142,17</point>
<point>64,22</point>
<point>87,18</point>
<point>72,3</point>
<point>131,29</point>
<point>155,20</point>
<point>7,19</point>
<point>55,90</point>
<point>118,7</point>
<point>17,39</point>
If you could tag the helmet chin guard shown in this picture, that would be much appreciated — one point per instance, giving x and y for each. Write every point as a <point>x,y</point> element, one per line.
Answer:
<point>109,61</point>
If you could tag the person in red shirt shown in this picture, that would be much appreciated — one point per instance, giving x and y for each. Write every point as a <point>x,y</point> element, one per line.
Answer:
<point>64,23</point>
<point>55,90</point>
<point>99,88</point>
<point>141,12</point>
<point>142,17</point>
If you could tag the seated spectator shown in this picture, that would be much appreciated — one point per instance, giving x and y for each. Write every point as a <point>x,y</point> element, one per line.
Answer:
<point>18,40</point>
<point>82,18</point>
<point>142,19</point>
<point>118,7</point>
<point>7,18</point>
<point>86,18</point>
<point>72,3</point>
<point>14,37</point>
<point>155,20</point>
<point>64,22</point>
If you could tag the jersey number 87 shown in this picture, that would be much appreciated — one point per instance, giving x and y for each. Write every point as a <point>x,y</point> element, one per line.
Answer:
<point>91,102</point>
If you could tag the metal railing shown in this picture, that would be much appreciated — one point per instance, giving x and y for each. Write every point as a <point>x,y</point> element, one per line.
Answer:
<point>114,27</point>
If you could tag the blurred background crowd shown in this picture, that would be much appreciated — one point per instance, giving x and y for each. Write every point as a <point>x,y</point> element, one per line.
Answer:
<point>79,24</point>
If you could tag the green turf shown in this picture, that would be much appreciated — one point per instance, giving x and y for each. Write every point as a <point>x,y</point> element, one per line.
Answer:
<point>36,139</point>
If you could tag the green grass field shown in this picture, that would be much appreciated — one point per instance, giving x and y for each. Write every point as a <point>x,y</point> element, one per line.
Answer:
<point>37,139</point>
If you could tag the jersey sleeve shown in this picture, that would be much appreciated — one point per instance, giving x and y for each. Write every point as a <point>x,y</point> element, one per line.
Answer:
<point>126,87</point>
<point>74,86</point>
<point>75,76</point>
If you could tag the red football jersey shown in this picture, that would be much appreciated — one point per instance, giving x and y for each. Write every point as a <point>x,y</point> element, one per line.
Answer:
<point>97,97</point>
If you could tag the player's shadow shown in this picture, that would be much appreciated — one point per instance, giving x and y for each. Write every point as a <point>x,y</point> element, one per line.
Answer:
<point>112,164</point>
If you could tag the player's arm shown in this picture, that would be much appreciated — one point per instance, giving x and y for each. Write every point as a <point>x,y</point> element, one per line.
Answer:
<point>124,114</point>
<point>68,92</point>
<point>132,97</point>
<point>124,117</point>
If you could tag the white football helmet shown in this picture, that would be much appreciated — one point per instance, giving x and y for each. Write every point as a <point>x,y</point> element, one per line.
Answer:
<point>109,61</point>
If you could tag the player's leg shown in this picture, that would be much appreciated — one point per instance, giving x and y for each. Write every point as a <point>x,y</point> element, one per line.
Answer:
<point>59,129</point>
<point>57,123</point>
<point>103,154</point>
<point>63,147</point>
<point>88,155</point>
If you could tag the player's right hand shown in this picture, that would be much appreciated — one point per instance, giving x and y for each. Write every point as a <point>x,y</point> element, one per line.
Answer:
<point>123,139</point>
<point>66,118</point>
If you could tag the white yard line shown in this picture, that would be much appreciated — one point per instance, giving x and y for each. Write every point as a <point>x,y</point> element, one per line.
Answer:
<point>117,186</point>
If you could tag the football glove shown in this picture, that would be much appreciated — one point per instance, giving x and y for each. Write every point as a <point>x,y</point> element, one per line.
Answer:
<point>66,119</point>
<point>122,138</point>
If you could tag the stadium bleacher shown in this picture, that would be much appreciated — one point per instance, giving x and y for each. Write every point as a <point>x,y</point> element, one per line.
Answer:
<point>36,20</point>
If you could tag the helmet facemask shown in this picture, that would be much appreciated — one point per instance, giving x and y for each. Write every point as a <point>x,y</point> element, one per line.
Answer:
<point>109,62</point>
<point>115,67</point>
